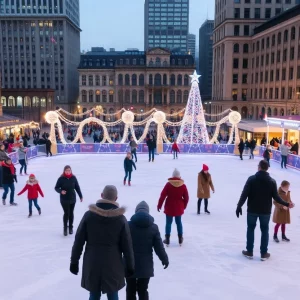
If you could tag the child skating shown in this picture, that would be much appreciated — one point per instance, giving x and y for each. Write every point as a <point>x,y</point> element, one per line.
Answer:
<point>281,215</point>
<point>175,149</point>
<point>128,164</point>
<point>34,189</point>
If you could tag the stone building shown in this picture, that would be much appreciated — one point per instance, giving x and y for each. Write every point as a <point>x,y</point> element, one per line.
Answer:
<point>135,80</point>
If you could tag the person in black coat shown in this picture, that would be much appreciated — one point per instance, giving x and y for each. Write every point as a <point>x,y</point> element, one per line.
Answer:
<point>267,154</point>
<point>241,147</point>
<point>295,147</point>
<point>252,148</point>
<point>145,237</point>
<point>151,147</point>
<point>66,186</point>
<point>8,178</point>
<point>128,167</point>
<point>48,147</point>
<point>105,233</point>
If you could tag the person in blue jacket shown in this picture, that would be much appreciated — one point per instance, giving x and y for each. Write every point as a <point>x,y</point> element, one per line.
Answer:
<point>145,237</point>
<point>128,164</point>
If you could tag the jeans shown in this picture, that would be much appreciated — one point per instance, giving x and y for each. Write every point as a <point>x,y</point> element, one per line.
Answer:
<point>10,186</point>
<point>175,153</point>
<point>110,296</point>
<point>268,161</point>
<point>35,204</point>
<point>139,286</point>
<point>68,213</point>
<point>169,221</point>
<point>199,204</point>
<point>264,227</point>
<point>283,161</point>
<point>151,154</point>
<point>1,176</point>
<point>127,174</point>
<point>133,153</point>
<point>23,165</point>
<point>251,152</point>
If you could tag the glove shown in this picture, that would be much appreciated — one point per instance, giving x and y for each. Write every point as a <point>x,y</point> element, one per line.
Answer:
<point>158,209</point>
<point>238,211</point>
<point>129,273</point>
<point>165,264</point>
<point>74,268</point>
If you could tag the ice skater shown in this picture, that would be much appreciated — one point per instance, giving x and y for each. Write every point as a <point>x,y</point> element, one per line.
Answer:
<point>268,154</point>
<point>22,154</point>
<point>8,179</point>
<point>34,189</point>
<point>241,148</point>
<point>176,196</point>
<point>133,146</point>
<point>175,149</point>
<point>151,148</point>
<point>281,215</point>
<point>204,185</point>
<point>128,164</point>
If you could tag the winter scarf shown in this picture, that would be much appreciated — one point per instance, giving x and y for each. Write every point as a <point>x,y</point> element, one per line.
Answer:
<point>67,175</point>
<point>11,167</point>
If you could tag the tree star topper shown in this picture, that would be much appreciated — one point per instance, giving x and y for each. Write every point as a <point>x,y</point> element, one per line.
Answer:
<point>195,77</point>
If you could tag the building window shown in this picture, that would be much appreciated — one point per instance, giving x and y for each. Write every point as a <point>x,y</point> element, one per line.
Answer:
<point>284,56</point>
<point>127,79</point>
<point>91,96</point>
<point>285,36</point>
<point>179,80</point>
<point>134,80</point>
<point>157,80</point>
<point>292,53</point>
<point>235,78</point>
<point>97,78</point>
<point>293,33</point>
<point>157,62</point>
<point>104,83</point>
<point>141,96</point>
<point>236,48</point>
<point>134,97</point>
<point>236,30</point>
<point>120,79</point>
<point>235,63</point>
<point>244,94</point>
<point>83,80</point>
<point>246,30</point>
<point>278,56</point>
<point>245,78</point>
<point>237,13</point>
<point>283,93</point>
<point>257,13</point>
<point>172,97</point>
<point>83,96</point>
<point>186,80</point>
<point>150,79</point>
<point>246,48</point>
<point>273,40</point>
<point>245,63</point>
<point>234,94</point>
<point>268,42</point>
<point>283,76</point>
<point>98,94</point>
<point>91,80</point>
<point>272,75</point>
<point>127,96</point>
<point>290,92</point>
<point>179,96</point>
<point>104,96</point>
<point>291,74</point>
<point>185,96</point>
<point>266,76</point>
<point>141,80</point>
<point>246,13</point>
<point>172,80</point>
<point>268,13</point>
<point>277,75</point>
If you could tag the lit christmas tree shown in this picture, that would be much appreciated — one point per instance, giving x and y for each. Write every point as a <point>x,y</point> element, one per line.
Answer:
<point>193,128</point>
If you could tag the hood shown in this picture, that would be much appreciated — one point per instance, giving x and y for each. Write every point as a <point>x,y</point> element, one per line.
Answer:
<point>142,207</point>
<point>176,182</point>
<point>32,182</point>
<point>142,219</point>
<point>106,208</point>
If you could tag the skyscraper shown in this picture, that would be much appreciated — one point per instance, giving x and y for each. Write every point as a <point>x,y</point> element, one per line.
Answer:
<point>166,24</point>
<point>40,46</point>
<point>206,58</point>
<point>192,44</point>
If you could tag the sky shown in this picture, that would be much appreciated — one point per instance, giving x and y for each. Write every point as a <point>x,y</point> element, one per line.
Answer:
<point>119,24</point>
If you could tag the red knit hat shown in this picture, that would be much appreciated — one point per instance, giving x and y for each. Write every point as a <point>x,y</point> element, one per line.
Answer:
<point>31,176</point>
<point>205,167</point>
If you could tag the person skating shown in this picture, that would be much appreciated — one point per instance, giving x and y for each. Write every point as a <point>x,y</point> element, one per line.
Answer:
<point>3,157</point>
<point>281,215</point>
<point>34,189</point>
<point>8,179</point>
<point>128,164</point>
<point>105,233</point>
<point>268,154</point>
<point>175,149</point>
<point>48,147</point>
<point>284,150</point>
<point>176,198</point>
<point>66,186</point>
<point>241,148</point>
<point>145,237</point>
<point>133,146</point>
<point>151,147</point>
<point>22,152</point>
<point>259,189</point>
<point>252,148</point>
<point>205,184</point>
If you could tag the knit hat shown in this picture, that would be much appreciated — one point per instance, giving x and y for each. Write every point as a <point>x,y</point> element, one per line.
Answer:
<point>176,173</point>
<point>32,176</point>
<point>142,207</point>
<point>205,167</point>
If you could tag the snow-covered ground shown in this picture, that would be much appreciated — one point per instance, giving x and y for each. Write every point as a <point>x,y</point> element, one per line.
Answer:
<point>34,255</point>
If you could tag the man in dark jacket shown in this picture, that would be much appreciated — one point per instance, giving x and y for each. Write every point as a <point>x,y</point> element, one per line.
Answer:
<point>259,189</point>
<point>48,147</point>
<point>145,236</point>
<point>105,231</point>
<point>252,148</point>
<point>151,147</point>
<point>241,148</point>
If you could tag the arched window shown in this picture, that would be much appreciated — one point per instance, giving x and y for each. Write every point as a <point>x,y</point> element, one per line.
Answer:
<point>165,79</point>
<point>179,80</point>
<point>120,97</point>
<point>111,96</point>
<point>157,62</point>
<point>179,97</point>
<point>120,79</point>
<point>236,48</point>
<point>91,80</point>
<point>127,79</point>
<point>134,97</point>
<point>186,80</point>
<point>35,102</point>
<point>185,96</point>
<point>134,80</point>
<point>246,48</point>
<point>3,101</point>
<point>27,101</point>
<point>83,97</point>
<point>11,101</point>
<point>91,96</point>
<point>19,101</point>
<point>279,38</point>
<point>104,96</point>
<point>151,63</point>
<point>127,96</point>
<point>150,79</point>
<point>111,80</point>
<point>275,112</point>
<point>97,80</point>
<point>172,97</point>
<point>43,102</point>
<point>269,112</point>
<point>172,80</point>
<point>141,96</point>
<point>157,80</point>
<point>98,96</point>
<point>293,33</point>
<point>165,63</point>
<point>285,36</point>
<point>141,80</point>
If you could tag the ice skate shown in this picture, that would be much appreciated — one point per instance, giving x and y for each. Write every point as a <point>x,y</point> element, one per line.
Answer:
<point>70,229</point>
<point>65,231</point>
<point>167,240</point>
<point>153,160</point>
<point>40,212</point>
<point>285,239</point>
<point>265,256</point>
<point>13,204</point>
<point>180,239</point>
<point>207,212</point>
<point>276,238</point>
<point>3,202</point>
<point>30,215</point>
<point>248,254</point>
<point>129,183</point>
<point>124,182</point>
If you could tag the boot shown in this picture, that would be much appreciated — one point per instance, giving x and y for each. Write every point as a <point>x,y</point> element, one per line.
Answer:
<point>276,238</point>
<point>284,238</point>
<point>265,256</point>
<point>70,229</point>
<point>152,159</point>
<point>180,239</point>
<point>124,182</point>
<point>167,240</point>
<point>30,215</point>
<point>65,230</point>
<point>3,202</point>
<point>207,212</point>
<point>40,212</point>
<point>248,254</point>
<point>129,183</point>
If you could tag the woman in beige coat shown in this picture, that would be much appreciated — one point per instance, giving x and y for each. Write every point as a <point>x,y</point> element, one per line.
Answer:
<point>281,214</point>
<point>204,185</point>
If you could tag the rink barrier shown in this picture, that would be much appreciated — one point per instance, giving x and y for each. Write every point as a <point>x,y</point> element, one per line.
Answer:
<point>32,152</point>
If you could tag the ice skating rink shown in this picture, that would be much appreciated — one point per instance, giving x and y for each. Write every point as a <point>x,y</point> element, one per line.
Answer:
<point>34,255</point>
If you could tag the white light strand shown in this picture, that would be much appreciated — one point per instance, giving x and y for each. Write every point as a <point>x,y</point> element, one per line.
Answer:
<point>141,139</point>
<point>220,114</point>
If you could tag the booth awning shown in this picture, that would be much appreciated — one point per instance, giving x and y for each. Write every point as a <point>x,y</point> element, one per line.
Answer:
<point>255,126</point>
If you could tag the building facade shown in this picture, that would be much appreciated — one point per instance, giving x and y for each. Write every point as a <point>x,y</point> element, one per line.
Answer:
<point>166,24</point>
<point>135,80</point>
<point>40,47</point>
<point>206,58</point>
<point>192,44</point>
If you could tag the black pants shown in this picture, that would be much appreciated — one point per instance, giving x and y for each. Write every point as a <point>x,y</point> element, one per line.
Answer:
<point>133,153</point>
<point>48,151</point>
<point>241,153</point>
<point>68,213</point>
<point>283,161</point>
<point>23,165</point>
<point>205,204</point>
<point>139,286</point>
<point>151,154</point>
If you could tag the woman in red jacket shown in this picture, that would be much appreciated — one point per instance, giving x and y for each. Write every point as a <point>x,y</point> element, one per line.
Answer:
<point>176,196</point>
<point>175,149</point>
<point>34,189</point>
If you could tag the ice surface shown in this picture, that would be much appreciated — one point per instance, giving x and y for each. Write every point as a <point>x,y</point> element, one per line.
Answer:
<point>34,256</point>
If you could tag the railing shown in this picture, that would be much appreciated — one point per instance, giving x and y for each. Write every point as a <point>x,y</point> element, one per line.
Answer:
<point>32,152</point>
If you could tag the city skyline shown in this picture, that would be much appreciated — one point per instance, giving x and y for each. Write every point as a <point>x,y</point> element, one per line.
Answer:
<point>116,35</point>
